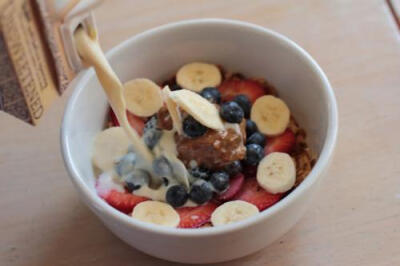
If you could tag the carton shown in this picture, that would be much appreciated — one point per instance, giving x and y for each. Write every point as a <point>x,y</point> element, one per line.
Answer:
<point>37,55</point>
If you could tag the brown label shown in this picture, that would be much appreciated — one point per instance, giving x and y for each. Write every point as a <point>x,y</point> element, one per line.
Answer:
<point>11,97</point>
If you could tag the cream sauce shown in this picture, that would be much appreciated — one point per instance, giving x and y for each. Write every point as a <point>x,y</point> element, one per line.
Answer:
<point>91,53</point>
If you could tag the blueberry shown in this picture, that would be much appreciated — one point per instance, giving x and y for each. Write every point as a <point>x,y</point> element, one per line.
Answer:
<point>175,87</point>
<point>126,164</point>
<point>150,124</point>
<point>162,167</point>
<point>243,102</point>
<point>165,181</point>
<point>234,168</point>
<point>176,196</point>
<point>136,179</point>
<point>231,112</point>
<point>251,127</point>
<point>212,94</point>
<point>151,134</point>
<point>192,128</point>
<point>256,138</point>
<point>220,181</point>
<point>200,172</point>
<point>201,192</point>
<point>254,154</point>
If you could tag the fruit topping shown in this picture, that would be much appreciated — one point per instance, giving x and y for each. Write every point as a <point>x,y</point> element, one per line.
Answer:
<point>200,172</point>
<point>169,118</point>
<point>254,154</point>
<point>271,115</point>
<point>233,211</point>
<point>233,168</point>
<point>254,194</point>
<point>202,110</point>
<point>176,195</point>
<point>161,166</point>
<point>220,181</point>
<point>136,122</point>
<point>193,217</point>
<point>276,173</point>
<point>235,183</point>
<point>175,87</point>
<point>256,138</point>
<point>136,179</point>
<point>125,164</point>
<point>142,97</point>
<point>108,145</point>
<point>251,127</point>
<point>201,192</point>
<point>113,118</point>
<point>192,128</point>
<point>151,134</point>
<point>230,88</point>
<point>212,94</point>
<point>123,201</point>
<point>197,76</point>
<point>231,112</point>
<point>244,102</point>
<point>156,212</point>
<point>282,143</point>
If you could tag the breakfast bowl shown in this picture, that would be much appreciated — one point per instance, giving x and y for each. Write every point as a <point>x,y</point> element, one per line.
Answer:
<point>156,54</point>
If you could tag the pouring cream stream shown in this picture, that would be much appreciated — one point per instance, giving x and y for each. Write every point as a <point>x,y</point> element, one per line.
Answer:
<point>91,54</point>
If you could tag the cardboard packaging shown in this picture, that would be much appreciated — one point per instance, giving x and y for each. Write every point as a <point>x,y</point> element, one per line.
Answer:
<point>37,54</point>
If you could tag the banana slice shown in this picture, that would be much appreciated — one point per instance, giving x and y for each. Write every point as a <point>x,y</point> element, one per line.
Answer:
<point>173,110</point>
<point>143,97</point>
<point>233,211</point>
<point>109,145</point>
<point>202,110</point>
<point>196,76</point>
<point>156,212</point>
<point>276,173</point>
<point>271,115</point>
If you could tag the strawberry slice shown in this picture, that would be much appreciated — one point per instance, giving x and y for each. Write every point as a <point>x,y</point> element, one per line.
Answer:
<point>115,195</point>
<point>113,118</point>
<point>235,184</point>
<point>193,217</point>
<point>253,193</point>
<point>234,86</point>
<point>123,201</point>
<point>282,143</point>
<point>136,122</point>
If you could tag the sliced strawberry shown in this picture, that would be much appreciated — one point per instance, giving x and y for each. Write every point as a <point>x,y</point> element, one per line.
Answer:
<point>136,122</point>
<point>253,193</point>
<point>113,118</point>
<point>123,201</point>
<point>233,87</point>
<point>282,143</point>
<point>193,217</point>
<point>115,195</point>
<point>235,184</point>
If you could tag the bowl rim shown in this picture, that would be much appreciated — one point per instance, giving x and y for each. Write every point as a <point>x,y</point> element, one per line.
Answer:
<point>100,205</point>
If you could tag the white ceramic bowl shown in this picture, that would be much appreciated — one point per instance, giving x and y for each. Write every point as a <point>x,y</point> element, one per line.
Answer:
<point>157,54</point>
